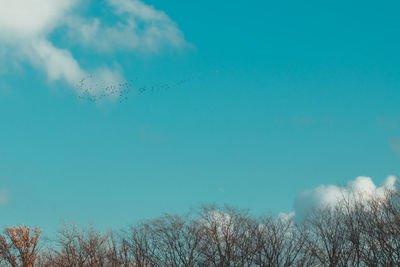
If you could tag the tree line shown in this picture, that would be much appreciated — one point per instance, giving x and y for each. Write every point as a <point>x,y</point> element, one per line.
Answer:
<point>355,232</point>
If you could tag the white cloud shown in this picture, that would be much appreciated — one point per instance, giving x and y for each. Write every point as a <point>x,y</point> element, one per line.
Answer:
<point>25,26</point>
<point>31,19</point>
<point>329,195</point>
<point>285,217</point>
<point>219,220</point>
<point>57,63</point>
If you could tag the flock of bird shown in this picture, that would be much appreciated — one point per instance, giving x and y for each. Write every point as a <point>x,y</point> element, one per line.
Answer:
<point>90,90</point>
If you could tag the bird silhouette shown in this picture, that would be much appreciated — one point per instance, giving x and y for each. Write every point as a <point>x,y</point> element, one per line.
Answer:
<point>91,90</point>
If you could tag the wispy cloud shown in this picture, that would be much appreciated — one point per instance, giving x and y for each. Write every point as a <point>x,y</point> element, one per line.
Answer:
<point>387,122</point>
<point>4,197</point>
<point>141,28</point>
<point>305,121</point>
<point>25,27</point>
<point>148,135</point>
<point>394,143</point>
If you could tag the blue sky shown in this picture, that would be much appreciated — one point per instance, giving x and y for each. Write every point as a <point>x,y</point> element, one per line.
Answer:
<point>286,96</point>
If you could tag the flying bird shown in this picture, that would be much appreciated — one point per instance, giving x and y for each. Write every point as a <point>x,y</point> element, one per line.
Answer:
<point>90,90</point>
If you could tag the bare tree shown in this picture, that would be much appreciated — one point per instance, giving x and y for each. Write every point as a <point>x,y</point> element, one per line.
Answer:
<point>79,248</point>
<point>280,244</point>
<point>327,237</point>
<point>117,252</point>
<point>142,246</point>
<point>171,240</point>
<point>355,212</point>
<point>354,232</point>
<point>228,237</point>
<point>178,239</point>
<point>382,231</point>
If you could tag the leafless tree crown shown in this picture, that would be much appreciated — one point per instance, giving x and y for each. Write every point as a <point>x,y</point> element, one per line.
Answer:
<point>356,232</point>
